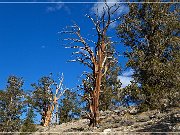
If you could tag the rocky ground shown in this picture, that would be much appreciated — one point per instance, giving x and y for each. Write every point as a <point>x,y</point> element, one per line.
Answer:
<point>123,121</point>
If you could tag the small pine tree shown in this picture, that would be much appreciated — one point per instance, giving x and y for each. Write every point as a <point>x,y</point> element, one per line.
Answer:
<point>68,109</point>
<point>28,124</point>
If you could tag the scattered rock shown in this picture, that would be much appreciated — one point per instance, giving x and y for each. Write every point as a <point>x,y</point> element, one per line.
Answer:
<point>177,116</point>
<point>102,117</point>
<point>133,110</point>
<point>143,117</point>
<point>176,127</point>
<point>107,130</point>
<point>152,116</point>
<point>159,115</point>
<point>116,111</point>
<point>126,123</point>
<point>101,111</point>
<point>150,121</point>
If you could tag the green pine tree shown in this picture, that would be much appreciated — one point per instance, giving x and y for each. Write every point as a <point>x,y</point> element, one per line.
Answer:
<point>151,31</point>
<point>11,105</point>
<point>42,96</point>
<point>110,83</point>
<point>69,107</point>
<point>28,124</point>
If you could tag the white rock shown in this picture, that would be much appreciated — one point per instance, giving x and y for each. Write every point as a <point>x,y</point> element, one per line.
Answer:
<point>133,111</point>
<point>107,130</point>
<point>117,111</point>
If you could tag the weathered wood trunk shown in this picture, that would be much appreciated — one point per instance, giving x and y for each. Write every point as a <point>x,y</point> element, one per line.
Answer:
<point>48,115</point>
<point>98,79</point>
<point>54,105</point>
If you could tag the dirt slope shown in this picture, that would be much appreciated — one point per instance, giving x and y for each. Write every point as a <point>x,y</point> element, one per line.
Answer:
<point>118,121</point>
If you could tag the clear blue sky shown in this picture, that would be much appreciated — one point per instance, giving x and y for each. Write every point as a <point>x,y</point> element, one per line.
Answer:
<point>30,46</point>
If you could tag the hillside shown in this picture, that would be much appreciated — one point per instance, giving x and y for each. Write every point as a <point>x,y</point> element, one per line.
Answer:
<point>126,120</point>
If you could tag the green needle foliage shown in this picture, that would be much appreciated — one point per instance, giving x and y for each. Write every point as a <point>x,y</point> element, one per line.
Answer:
<point>28,124</point>
<point>68,109</point>
<point>11,105</point>
<point>151,31</point>
<point>110,83</point>
<point>130,93</point>
<point>42,96</point>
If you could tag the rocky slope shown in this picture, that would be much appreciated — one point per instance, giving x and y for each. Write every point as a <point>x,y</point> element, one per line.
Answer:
<point>123,121</point>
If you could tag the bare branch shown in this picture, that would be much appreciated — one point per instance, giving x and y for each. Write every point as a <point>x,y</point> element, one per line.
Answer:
<point>116,8</point>
<point>58,87</point>
<point>73,39</point>
<point>76,31</point>
<point>96,24</point>
<point>91,19</point>
<point>90,40</point>
<point>82,53</point>
<point>104,61</point>
<point>83,61</point>
<point>108,17</point>
<point>116,19</point>
<point>105,70</point>
<point>61,93</point>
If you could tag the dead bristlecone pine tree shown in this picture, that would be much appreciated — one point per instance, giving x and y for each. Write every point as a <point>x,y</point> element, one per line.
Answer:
<point>96,59</point>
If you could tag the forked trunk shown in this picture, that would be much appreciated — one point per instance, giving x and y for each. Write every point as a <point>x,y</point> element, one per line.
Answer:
<point>54,105</point>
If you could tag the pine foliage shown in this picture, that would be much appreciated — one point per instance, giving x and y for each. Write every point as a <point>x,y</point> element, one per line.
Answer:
<point>11,105</point>
<point>151,31</point>
<point>69,107</point>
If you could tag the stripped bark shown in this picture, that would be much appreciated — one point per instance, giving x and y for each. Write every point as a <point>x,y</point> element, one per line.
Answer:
<point>54,105</point>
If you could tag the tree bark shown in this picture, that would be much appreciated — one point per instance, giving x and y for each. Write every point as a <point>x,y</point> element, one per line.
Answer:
<point>98,79</point>
<point>48,115</point>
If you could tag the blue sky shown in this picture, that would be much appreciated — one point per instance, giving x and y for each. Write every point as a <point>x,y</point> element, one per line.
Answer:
<point>30,46</point>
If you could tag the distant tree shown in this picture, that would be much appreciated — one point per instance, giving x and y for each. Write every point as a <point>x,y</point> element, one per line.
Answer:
<point>69,107</point>
<point>11,105</point>
<point>151,31</point>
<point>3,114</point>
<point>28,124</point>
<point>96,60</point>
